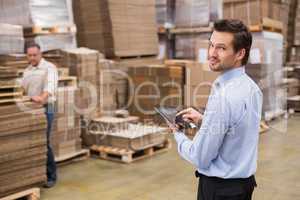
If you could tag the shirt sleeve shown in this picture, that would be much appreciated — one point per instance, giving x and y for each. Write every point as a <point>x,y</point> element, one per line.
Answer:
<point>24,80</point>
<point>51,81</point>
<point>204,148</point>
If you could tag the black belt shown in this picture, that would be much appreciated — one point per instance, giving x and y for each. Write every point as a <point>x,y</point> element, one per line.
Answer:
<point>250,179</point>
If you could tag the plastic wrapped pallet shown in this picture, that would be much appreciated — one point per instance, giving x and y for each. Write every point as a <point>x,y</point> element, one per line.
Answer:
<point>294,54</point>
<point>266,69</point>
<point>27,13</point>
<point>192,13</point>
<point>11,39</point>
<point>297,26</point>
<point>51,42</point>
<point>117,28</point>
<point>195,13</point>
<point>192,46</point>
<point>293,86</point>
<point>165,13</point>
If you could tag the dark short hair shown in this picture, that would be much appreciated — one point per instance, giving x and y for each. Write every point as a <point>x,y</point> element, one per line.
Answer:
<point>31,45</point>
<point>242,38</point>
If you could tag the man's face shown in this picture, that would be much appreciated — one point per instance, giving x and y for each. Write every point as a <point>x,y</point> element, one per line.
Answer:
<point>34,56</point>
<point>221,54</point>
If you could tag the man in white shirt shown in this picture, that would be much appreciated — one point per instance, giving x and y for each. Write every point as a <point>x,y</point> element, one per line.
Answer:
<point>40,81</point>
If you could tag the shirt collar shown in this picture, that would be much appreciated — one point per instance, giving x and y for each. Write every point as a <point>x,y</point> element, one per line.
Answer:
<point>230,74</point>
<point>39,65</point>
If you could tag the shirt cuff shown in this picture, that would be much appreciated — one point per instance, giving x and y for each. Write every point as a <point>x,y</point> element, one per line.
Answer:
<point>179,136</point>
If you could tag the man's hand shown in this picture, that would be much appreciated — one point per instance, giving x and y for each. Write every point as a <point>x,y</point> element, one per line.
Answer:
<point>41,99</point>
<point>191,115</point>
<point>37,99</point>
<point>173,127</point>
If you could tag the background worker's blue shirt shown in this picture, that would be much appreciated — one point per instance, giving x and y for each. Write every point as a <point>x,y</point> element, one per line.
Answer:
<point>226,145</point>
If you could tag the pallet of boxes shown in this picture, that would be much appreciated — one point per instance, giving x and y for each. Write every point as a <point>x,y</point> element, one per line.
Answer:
<point>66,130</point>
<point>128,36</point>
<point>23,124</point>
<point>265,64</point>
<point>165,21</point>
<point>123,139</point>
<point>51,25</point>
<point>118,29</point>
<point>293,61</point>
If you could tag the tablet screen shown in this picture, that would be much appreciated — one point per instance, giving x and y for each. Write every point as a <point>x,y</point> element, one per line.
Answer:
<point>168,113</point>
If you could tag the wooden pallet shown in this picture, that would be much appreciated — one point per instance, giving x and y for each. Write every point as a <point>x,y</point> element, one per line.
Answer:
<point>67,81</point>
<point>124,155</point>
<point>267,24</point>
<point>10,93</point>
<point>271,116</point>
<point>119,58</point>
<point>39,30</point>
<point>30,194</point>
<point>207,29</point>
<point>294,103</point>
<point>73,157</point>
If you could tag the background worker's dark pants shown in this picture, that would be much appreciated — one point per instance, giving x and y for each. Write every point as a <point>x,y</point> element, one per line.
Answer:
<point>51,165</point>
<point>213,188</point>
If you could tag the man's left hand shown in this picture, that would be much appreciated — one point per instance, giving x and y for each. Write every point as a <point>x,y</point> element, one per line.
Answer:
<point>173,127</point>
<point>37,99</point>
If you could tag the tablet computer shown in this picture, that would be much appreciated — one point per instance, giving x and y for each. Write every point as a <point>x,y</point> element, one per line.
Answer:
<point>170,115</point>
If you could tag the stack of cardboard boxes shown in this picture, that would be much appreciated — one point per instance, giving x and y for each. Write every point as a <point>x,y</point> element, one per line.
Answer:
<point>294,88</point>
<point>66,133</point>
<point>244,10</point>
<point>102,83</point>
<point>23,147</point>
<point>84,64</point>
<point>198,81</point>
<point>117,28</point>
<point>295,47</point>
<point>154,85</point>
<point>293,57</point>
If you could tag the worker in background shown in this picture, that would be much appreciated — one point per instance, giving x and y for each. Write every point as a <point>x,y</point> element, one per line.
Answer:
<point>40,82</point>
<point>224,150</point>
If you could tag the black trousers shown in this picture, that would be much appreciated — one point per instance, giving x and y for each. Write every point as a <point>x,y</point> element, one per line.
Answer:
<point>213,188</point>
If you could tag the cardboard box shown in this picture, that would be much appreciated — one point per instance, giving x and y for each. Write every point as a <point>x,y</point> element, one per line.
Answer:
<point>196,96</point>
<point>243,10</point>
<point>117,28</point>
<point>197,73</point>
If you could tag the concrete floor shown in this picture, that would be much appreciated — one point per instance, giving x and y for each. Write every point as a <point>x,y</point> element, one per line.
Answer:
<point>167,176</point>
